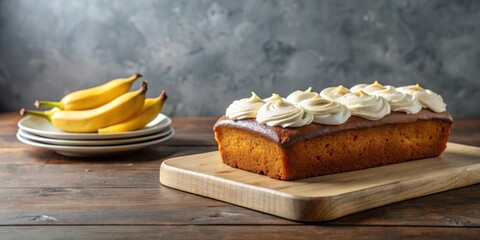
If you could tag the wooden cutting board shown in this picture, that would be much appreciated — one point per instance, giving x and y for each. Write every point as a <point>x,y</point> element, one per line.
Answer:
<point>325,197</point>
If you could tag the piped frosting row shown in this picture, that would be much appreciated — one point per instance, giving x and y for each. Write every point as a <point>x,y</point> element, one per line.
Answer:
<point>334,105</point>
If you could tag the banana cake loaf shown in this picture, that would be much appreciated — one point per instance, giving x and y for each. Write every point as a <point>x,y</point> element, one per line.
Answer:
<point>338,130</point>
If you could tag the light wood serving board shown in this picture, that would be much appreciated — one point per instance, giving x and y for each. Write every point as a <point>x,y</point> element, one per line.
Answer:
<point>325,197</point>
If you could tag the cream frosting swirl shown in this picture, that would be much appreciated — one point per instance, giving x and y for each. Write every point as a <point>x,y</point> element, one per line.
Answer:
<point>426,97</point>
<point>374,87</point>
<point>325,111</point>
<point>272,98</point>
<point>367,106</point>
<point>283,113</point>
<point>298,96</point>
<point>399,102</point>
<point>244,108</point>
<point>358,87</point>
<point>332,93</point>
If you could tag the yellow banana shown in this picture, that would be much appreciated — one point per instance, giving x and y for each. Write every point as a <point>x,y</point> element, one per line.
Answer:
<point>93,97</point>
<point>82,121</point>
<point>151,108</point>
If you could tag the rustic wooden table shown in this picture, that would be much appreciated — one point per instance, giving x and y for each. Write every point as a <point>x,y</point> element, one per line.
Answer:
<point>45,195</point>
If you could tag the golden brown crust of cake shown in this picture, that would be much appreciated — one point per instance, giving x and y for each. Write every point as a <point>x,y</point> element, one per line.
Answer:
<point>288,136</point>
<point>314,149</point>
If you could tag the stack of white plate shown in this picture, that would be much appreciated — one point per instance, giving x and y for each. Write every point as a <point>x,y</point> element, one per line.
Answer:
<point>38,132</point>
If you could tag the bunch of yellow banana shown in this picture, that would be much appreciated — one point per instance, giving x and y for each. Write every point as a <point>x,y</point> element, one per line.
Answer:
<point>128,111</point>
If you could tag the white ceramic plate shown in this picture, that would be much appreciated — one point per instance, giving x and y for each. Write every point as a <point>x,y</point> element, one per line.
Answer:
<point>90,151</point>
<point>42,127</point>
<point>105,142</point>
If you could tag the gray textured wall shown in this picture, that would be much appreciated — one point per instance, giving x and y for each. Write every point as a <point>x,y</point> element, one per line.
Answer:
<point>208,53</point>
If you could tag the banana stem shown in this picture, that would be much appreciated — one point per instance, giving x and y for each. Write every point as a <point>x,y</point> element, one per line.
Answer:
<point>163,96</point>
<point>24,111</point>
<point>48,103</point>
<point>144,86</point>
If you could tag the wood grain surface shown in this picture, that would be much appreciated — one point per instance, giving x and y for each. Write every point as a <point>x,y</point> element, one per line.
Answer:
<point>47,196</point>
<point>326,197</point>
